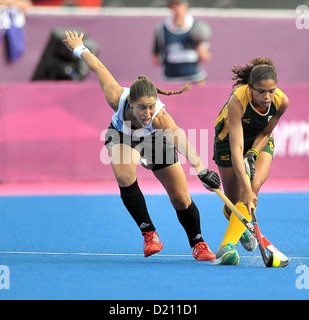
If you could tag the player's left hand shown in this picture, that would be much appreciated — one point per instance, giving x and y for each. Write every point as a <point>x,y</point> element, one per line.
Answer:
<point>73,39</point>
<point>209,179</point>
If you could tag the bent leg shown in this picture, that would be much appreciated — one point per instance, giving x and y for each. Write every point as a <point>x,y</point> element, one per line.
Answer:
<point>174,181</point>
<point>124,163</point>
<point>124,160</point>
<point>230,185</point>
<point>262,168</point>
<point>232,190</point>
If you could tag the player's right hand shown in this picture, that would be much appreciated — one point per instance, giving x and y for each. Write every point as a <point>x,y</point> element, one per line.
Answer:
<point>73,39</point>
<point>209,179</point>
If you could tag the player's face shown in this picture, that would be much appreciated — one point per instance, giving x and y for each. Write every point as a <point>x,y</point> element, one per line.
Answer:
<point>179,8</point>
<point>143,109</point>
<point>263,93</point>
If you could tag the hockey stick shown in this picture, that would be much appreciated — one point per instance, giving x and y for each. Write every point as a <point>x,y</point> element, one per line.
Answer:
<point>268,261</point>
<point>276,258</point>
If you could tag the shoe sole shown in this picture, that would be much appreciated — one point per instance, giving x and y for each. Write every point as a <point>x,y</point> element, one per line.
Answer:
<point>209,258</point>
<point>230,258</point>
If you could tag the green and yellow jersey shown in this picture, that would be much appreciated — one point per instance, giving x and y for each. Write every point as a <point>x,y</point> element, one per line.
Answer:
<point>253,122</point>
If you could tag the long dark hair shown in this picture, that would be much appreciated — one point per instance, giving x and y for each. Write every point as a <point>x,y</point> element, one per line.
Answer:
<point>258,69</point>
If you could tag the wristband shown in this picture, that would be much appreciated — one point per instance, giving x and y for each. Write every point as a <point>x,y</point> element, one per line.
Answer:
<point>79,50</point>
<point>254,151</point>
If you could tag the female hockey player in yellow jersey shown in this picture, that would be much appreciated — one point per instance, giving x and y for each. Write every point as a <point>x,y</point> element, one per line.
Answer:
<point>244,146</point>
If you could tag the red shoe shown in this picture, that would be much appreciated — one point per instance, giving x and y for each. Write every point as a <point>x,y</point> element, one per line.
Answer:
<point>152,243</point>
<point>201,252</point>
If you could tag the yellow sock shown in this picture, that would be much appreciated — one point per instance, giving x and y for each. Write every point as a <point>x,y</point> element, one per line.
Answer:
<point>235,228</point>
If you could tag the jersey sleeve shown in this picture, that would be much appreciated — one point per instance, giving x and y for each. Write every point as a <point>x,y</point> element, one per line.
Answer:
<point>278,98</point>
<point>244,95</point>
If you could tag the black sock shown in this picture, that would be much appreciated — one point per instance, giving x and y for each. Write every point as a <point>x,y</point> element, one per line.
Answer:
<point>190,220</point>
<point>134,201</point>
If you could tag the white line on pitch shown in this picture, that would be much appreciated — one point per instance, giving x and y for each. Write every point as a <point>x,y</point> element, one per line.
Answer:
<point>115,254</point>
<point>85,254</point>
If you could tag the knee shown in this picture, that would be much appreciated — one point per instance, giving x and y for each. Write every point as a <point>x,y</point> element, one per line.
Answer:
<point>181,201</point>
<point>125,180</point>
<point>256,185</point>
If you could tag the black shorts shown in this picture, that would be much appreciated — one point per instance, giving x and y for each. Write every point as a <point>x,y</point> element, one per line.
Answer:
<point>156,152</point>
<point>222,152</point>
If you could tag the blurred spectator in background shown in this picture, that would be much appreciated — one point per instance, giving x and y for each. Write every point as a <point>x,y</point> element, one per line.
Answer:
<point>13,22</point>
<point>225,4</point>
<point>181,43</point>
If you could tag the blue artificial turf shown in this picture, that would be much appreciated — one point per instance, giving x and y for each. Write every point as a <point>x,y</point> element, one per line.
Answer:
<point>88,247</point>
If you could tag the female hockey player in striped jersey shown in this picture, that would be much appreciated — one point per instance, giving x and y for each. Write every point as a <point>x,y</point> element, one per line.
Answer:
<point>142,130</point>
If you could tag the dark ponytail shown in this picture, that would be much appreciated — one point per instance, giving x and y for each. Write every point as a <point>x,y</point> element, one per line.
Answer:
<point>257,70</point>
<point>144,87</point>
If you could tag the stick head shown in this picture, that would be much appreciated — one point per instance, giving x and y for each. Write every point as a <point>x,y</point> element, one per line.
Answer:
<point>270,260</point>
<point>276,262</point>
<point>284,263</point>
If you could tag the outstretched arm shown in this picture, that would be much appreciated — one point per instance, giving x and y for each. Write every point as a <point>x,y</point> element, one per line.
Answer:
<point>178,139</point>
<point>112,90</point>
